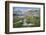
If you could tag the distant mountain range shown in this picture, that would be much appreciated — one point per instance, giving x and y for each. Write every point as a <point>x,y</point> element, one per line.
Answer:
<point>19,12</point>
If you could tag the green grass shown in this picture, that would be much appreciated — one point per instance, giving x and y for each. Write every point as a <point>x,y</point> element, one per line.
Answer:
<point>29,19</point>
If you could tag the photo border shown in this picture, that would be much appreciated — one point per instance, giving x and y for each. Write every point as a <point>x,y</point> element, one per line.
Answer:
<point>7,16</point>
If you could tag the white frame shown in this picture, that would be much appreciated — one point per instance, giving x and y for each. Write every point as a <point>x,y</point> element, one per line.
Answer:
<point>11,29</point>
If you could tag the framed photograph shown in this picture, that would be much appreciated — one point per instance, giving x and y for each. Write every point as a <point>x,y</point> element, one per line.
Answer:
<point>24,17</point>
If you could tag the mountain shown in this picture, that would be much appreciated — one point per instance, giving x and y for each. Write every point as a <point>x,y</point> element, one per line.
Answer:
<point>24,11</point>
